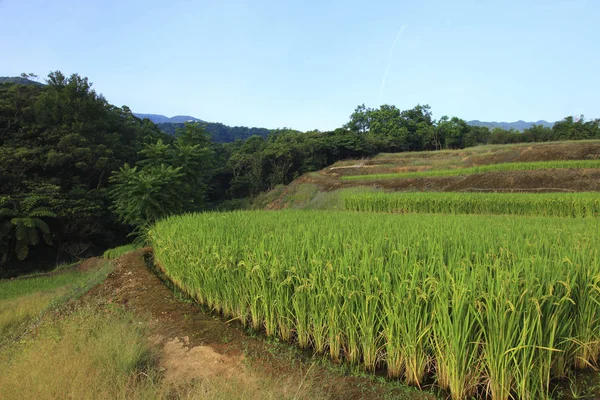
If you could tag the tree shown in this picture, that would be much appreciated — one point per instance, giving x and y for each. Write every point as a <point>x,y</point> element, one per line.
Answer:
<point>360,120</point>
<point>247,165</point>
<point>453,132</point>
<point>388,128</point>
<point>476,135</point>
<point>193,133</point>
<point>502,136</point>
<point>21,224</point>
<point>537,133</point>
<point>29,75</point>
<point>142,196</point>
<point>169,179</point>
<point>572,128</point>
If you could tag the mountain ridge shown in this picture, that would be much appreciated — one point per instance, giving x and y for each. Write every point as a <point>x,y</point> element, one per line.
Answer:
<point>517,125</point>
<point>18,79</point>
<point>162,119</point>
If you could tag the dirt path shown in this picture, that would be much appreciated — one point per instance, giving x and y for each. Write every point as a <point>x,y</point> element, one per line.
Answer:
<point>196,345</point>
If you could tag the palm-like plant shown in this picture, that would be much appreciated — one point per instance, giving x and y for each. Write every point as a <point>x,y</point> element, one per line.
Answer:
<point>21,226</point>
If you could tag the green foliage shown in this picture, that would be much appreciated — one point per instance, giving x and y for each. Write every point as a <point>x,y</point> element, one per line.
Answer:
<point>143,196</point>
<point>495,303</point>
<point>572,128</point>
<point>59,142</point>
<point>169,179</point>
<point>413,130</point>
<point>21,224</point>
<point>62,142</point>
<point>219,133</point>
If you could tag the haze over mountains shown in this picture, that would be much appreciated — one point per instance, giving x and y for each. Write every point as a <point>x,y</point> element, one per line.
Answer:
<point>518,125</point>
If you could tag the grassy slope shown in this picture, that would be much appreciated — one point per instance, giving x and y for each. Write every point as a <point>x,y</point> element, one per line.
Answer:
<point>83,354</point>
<point>94,348</point>
<point>326,189</point>
<point>67,352</point>
<point>508,166</point>
<point>23,300</point>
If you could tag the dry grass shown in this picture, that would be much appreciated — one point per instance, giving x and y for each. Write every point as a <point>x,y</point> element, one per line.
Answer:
<point>227,389</point>
<point>97,350</point>
<point>24,300</point>
<point>103,353</point>
<point>85,355</point>
<point>16,314</point>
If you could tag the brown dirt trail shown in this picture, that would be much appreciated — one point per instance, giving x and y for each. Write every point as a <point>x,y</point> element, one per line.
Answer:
<point>195,344</point>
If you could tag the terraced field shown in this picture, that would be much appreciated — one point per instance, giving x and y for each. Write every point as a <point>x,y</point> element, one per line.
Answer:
<point>514,166</point>
<point>492,291</point>
<point>541,167</point>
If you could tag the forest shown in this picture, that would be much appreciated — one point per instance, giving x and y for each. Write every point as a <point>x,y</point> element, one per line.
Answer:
<point>78,174</point>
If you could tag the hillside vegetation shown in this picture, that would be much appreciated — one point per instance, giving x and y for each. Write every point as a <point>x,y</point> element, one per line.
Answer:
<point>78,174</point>
<point>569,166</point>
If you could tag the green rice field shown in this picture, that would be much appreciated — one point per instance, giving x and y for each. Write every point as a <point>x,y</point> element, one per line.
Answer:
<point>571,205</point>
<point>482,305</point>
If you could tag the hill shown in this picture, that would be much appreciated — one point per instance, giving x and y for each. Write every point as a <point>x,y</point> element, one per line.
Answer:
<point>161,119</point>
<point>518,125</point>
<point>19,80</point>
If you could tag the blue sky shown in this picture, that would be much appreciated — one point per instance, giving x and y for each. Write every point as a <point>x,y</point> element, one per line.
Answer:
<point>308,64</point>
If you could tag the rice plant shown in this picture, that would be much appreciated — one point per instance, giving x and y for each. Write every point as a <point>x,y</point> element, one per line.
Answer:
<point>493,305</point>
<point>571,205</point>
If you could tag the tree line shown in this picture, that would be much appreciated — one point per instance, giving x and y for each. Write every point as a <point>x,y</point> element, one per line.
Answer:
<point>78,174</point>
<point>218,132</point>
<point>416,130</point>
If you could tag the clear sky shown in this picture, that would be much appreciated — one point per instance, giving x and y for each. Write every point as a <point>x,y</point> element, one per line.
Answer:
<point>308,64</point>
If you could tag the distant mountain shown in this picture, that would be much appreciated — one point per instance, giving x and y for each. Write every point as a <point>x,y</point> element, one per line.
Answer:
<point>19,80</point>
<point>219,133</point>
<point>519,125</point>
<point>161,119</point>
